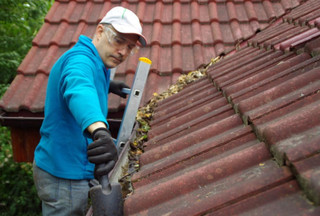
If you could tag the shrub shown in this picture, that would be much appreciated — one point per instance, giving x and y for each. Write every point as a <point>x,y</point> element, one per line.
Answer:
<point>18,194</point>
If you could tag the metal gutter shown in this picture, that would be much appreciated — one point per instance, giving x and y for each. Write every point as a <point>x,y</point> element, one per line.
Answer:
<point>20,121</point>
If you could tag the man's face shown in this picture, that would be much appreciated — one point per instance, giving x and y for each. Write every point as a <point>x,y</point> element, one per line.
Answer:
<point>113,47</point>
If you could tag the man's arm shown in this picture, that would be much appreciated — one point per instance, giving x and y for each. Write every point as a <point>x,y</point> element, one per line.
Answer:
<point>95,126</point>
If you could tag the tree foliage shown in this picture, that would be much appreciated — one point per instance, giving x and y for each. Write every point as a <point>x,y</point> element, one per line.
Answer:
<point>19,22</point>
<point>18,194</point>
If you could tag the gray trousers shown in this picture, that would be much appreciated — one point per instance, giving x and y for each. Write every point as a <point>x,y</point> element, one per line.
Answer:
<point>61,196</point>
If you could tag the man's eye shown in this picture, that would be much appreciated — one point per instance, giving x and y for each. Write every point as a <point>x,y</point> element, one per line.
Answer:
<point>130,47</point>
<point>119,40</point>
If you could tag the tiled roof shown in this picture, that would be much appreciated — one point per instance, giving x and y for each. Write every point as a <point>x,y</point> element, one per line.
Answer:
<point>182,36</point>
<point>245,140</point>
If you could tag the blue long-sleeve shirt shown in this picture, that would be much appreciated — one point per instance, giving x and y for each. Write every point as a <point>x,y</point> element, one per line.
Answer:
<point>77,96</point>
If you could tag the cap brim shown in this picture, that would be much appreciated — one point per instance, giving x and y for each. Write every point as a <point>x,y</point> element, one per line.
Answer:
<point>142,40</point>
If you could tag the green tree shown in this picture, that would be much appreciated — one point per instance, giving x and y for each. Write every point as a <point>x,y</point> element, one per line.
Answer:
<point>18,194</point>
<point>20,20</point>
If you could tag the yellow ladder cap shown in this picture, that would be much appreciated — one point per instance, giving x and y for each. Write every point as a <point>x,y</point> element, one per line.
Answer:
<point>146,60</point>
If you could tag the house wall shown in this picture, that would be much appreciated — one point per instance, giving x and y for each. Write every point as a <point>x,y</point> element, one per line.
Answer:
<point>25,139</point>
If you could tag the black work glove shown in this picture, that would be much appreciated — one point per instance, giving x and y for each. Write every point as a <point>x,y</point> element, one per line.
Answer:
<point>102,152</point>
<point>116,86</point>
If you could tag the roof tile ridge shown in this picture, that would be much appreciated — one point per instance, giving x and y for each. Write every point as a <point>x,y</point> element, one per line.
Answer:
<point>250,11</point>
<point>308,175</point>
<point>155,56</point>
<point>67,1</point>
<point>301,8</point>
<point>156,33</point>
<point>301,11</point>
<point>195,13</point>
<point>69,11</point>
<point>214,22</point>
<point>267,5</point>
<point>215,28</point>
<point>141,11</point>
<point>299,39</point>
<point>176,33</point>
<point>307,21</point>
<point>34,90</point>
<point>234,21</point>
<point>52,11</point>
<point>106,7</point>
<point>195,23</point>
<point>27,60</point>
<point>198,54</point>
<point>36,40</point>
<point>317,23</point>
<point>298,22</point>
<point>213,12</point>
<point>217,38</point>
<point>176,26</point>
<point>176,39</point>
<point>196,33</point>
<point>98,1</point>
<point>78,32</point>
<point>276,92</point>
<point>158,11</point>
<point>232,11</point>
<point>252,15</point>
<point>86,12</point>
<point>271,133</point>
<point>11,92</point>
<point>273,43</point>
<point>59,34</point>
<point>265,35</point>
<point>176,16</point>
<point>157,25</point>
<point>177,59</point>
<point>252,41</point>
<point>47,60</point>
<point>287,5</point>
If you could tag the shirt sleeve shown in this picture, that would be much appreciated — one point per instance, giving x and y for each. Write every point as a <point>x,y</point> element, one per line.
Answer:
<point>79,91</point>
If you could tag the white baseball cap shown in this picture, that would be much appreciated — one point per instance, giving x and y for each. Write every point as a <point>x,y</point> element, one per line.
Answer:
<point>124,21</point>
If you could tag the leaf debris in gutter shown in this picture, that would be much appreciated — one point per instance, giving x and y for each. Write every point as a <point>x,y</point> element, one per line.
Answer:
<point>143,118</point>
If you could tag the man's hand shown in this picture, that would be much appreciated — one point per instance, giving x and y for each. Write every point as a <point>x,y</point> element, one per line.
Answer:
<point>116,86</point>
<point>102,152</point>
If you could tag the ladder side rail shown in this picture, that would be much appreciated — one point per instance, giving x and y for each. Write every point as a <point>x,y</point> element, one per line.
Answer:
<point>133,102</point>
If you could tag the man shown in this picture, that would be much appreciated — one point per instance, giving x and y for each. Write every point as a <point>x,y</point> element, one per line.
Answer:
<point>74,134</point>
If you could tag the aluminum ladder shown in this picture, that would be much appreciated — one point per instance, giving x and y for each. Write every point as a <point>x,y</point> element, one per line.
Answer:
<point>128,119</point>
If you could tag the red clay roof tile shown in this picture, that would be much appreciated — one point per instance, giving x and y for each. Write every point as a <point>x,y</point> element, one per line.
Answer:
<point>181,35</point>
<point>237,136</point>
<point>285,199</point>
<point>297,147</point>
<point>262,156</point>
<point>309,176</point>
<point>243,140</point>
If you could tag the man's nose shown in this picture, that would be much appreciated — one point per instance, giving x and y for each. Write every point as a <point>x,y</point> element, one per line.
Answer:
<point>122,51</point>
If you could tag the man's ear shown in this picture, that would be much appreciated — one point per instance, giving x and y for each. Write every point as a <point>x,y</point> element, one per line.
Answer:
<point>99,32</point>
